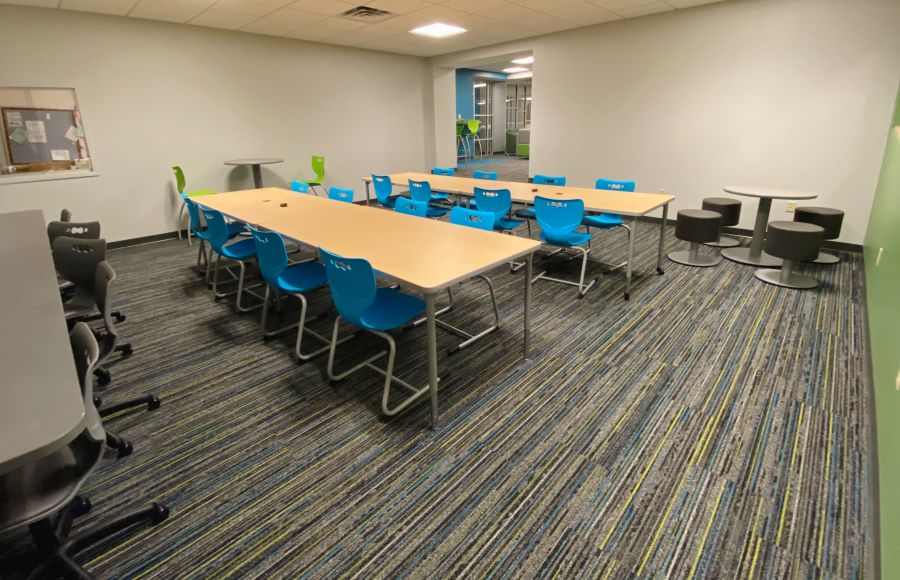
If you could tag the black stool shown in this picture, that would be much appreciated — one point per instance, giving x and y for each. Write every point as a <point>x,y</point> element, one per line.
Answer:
<point>830,220</point>
<point>697,226</point>
<point>793,242</point>
<point>730,210</point>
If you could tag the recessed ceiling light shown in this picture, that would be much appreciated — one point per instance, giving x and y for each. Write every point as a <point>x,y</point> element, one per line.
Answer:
<point>438,30</point>
<point>481,103</point>
<point>514,69</point>
<point>526,60</point>
<point>477,85</point>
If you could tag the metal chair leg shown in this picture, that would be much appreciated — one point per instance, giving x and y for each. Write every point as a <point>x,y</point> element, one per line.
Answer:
<point>582,288</point>
<point>240,289</point>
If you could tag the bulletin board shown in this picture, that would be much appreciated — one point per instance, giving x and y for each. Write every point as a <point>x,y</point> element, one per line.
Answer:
<point>41,135</point>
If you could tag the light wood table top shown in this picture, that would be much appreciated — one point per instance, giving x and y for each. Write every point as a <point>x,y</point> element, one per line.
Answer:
<point>254,161</point>
<point>620,202</point>
<point>424,254</point>
<point>768,192</point>
<point>258,205</point>
<point>41,407</point>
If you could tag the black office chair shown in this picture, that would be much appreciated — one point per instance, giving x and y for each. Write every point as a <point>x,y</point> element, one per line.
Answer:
<point>65,216</point>
<point>44,494</point>
<point>81,231</point>
<point>76,260</point>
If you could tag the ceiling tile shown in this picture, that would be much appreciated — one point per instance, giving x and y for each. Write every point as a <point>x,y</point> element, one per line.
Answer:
<point>474,5</point>
<point>644,9</point>
<point>341,24</point>
<point>270,26</point>
<point>350,39</point>
<point>298,17</point>
<point>506,13</point>
<point>326,7</point>
<point>398,6</point>
<point>510,32</point>
<point>394,26</point>
<point>313,33</point>
<point>393,43</point>
<point>117,7</point>
<point>251,7</point>
<point>585,14</point>
<point>615,5</point>
<point>689,3</point>
<point>219,19</point>
<point>439,14</point>
<point>543,23</point>
<point>38,3</point>
<point>162,10</point>
<point>548,5</point>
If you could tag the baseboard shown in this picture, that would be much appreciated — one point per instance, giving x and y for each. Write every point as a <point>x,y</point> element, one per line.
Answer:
<point>829,244</point>
<point>873,558</point>
<point>144,240</point>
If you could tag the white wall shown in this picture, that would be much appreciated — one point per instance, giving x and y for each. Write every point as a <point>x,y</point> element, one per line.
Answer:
<point>786,93</point>
<point>154,95</point>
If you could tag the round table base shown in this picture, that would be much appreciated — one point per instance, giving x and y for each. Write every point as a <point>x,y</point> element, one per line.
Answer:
<point>742,256</point>
<point>795,281</point>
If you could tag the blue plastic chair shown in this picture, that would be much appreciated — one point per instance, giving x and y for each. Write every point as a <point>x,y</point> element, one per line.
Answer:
<point>488,175</point>
<point>199,231</point>
<point>338,194</point>
<point>300,187</point>
<point>442,171</point>
<point>410,207</point>
<point>421,191</point>
<point>383,190</point>
<point>559,218</point>
<point>241,252</point>
<point>605,221</point>
<point>361,303</point>
<point>497,202</point>
<point>291,279</point>
<point>527,213</point>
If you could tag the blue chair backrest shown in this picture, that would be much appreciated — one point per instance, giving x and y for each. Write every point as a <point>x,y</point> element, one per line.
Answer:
<point>545,180</point>
<point>420,190</point>
<point>192,211</point>
<point>488,175</point>
<point>272,255</point>
<point>482,220</point>
<point>442,171</point>
<point>383,187</point>
<point>411,207</point>
<point>338,194</point>
<point>216,228</point>
<point>614,185</point>
<point>352,282</point>
<point>558,217</point>
<point>300,187</point>
<point>496,201</point>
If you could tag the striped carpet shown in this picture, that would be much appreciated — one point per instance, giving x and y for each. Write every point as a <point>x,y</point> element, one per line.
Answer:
<point>711,427</point>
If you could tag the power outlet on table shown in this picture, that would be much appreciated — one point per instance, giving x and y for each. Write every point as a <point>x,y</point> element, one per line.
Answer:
<point>791,206</point>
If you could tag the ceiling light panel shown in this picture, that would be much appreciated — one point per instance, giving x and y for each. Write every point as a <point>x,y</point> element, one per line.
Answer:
<point>438,30</point>
<point>514,69</point>
<point>526,60</point>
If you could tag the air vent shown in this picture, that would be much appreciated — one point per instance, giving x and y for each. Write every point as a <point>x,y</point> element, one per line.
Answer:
<point>367,15</point>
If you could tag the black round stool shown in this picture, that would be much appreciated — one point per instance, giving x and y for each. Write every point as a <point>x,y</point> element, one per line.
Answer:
<point>829,219</point>
<point>730,210</point>
<point>793,242</point>
<point>697,226</point>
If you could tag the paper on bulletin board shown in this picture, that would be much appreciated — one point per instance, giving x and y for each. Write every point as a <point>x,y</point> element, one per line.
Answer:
<point>37,132</point>
<point>72,134</point>
<point>18,136</point>
<point>80,132</point>
<point>59,155</point>
<point>14,119</point>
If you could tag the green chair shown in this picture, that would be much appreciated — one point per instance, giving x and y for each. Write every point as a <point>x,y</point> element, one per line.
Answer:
<point>474,127</point>
<point>180,183</point>
<point>318,165</point>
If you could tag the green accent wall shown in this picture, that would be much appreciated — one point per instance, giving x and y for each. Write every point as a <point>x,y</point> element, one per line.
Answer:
<point>883,293</point>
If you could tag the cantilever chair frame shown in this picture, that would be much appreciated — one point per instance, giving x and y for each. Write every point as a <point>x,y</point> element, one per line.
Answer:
<point>210,219</point>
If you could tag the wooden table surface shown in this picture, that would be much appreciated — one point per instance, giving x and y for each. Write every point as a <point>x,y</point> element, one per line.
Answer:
<point>425,254</point>
<point>620,202</point>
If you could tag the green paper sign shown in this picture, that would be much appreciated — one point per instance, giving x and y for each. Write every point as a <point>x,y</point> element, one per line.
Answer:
<point>18,136</point>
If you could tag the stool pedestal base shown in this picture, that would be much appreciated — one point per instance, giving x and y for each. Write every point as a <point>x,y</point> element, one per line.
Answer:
<point>826,259</point>
<point>742,256</point>
<point>693,258</point>
<point>786,278</point>
<point>723,242</point>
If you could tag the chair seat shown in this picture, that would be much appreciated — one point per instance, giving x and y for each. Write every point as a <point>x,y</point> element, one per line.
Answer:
<point>80,304</point>
<point>201,193</point>
<point>438,196</point>
<point>506,224</point>
<point>389,202</point>
<point>240,250</point>
<point>525,213</point>
<point>308,182</point>
<point>435,211</point>
<point>391,308</point>
<point>601,221</point>
<point>575,239</point>
<point>302,277</point>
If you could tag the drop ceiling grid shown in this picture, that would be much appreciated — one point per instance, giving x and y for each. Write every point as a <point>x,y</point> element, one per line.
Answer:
<point>488,21</point>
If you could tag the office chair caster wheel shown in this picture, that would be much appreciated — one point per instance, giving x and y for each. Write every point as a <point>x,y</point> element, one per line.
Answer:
<point>209,286</point>
<point>153,403</point>
<point>127,350</point>
<point>660,271</point>
<point>98,402</point>
<point>126,448</point>
<point>120,317</point>
<point>80,505</point>
<point>627,296</point>
<point>103,377</point>
<point>217,298</point>
<point>160,513</point>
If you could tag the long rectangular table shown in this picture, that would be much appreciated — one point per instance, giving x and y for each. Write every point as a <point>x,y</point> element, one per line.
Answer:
<point>426,255</point>
<point>41,408</point>
<point>630,204</point>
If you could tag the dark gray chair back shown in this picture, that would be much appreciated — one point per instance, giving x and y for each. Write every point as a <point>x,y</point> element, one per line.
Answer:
<point>82,231</point>
<point>65,216</point>
<point>102,282</point>
<point>77,260</point>
<point>86,353</point>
